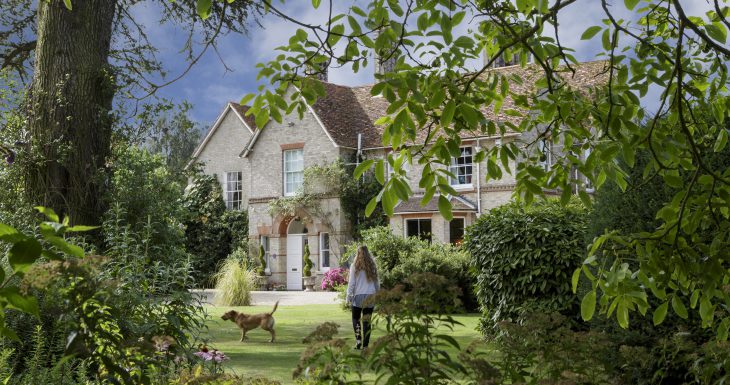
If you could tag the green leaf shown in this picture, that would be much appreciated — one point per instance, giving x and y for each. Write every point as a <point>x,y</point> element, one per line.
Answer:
<point>717,31</point>
<point>68,4</point>
<point>590,32</point>
<point>630,4</point>
<point>24,253</point>
<point>588,306</point>
<point>246,98</point>
<point>28,304</point>
<point>81,228</point>
<point>574,280</point>
<point>622,314</point>
<point>707,310</point>
<point>678,307</point>
<point>660,313</point>
<point>315,3</point>
<point>380,171</point>
<point>203,8</point>
<point>10,234</point>
<point>48,212</point>
<point>371,206</point>
<point>721,141</point>
<point>445,208</point>
<point>448,113</point>
<point>362,167</point>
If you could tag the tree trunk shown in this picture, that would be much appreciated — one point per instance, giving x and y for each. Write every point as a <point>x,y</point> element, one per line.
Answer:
<point>70,103</point>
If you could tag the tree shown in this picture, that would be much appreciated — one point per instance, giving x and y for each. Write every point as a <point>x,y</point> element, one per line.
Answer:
<point>84,53</point>
<point>435,90</point>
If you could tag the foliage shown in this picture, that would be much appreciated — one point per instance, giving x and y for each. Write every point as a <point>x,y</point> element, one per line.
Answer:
<point>411,351</point>
<point>355,193</point>
<point>234,281</point>
<point>323,332</point>
<point>434,89</point>
<point>544,349</point>
<point>144,195</point>
<point>524,258</point>
<point>308,264</point>
<point>334,278</point>
<point>397,258</point>
<point>211,232</point>
<point>199,376</point>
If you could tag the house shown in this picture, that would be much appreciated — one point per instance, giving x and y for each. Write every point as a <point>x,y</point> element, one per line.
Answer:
<point>256,167</point>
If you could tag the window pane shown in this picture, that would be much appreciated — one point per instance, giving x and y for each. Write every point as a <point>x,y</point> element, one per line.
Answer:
<point>456,231</point>
<point>425,229</point>
<point>412,228</point>
<point>461,167</point>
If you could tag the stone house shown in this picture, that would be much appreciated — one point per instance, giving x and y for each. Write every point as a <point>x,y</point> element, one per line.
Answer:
<point>256,166</point>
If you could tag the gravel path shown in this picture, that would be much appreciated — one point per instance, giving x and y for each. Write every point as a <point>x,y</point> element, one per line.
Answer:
<point>288,298</point>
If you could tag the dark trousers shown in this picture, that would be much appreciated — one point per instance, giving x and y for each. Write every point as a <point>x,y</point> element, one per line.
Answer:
<point>364,314</point>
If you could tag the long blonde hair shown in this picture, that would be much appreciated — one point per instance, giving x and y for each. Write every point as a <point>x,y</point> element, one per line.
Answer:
<point>364,262</point>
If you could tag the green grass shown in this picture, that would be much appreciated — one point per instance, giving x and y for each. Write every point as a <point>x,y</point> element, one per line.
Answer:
<point>257,357</point>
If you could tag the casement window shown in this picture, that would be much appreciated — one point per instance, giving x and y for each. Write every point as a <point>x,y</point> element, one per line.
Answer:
<point>293,171</point>
<point>266,244</point>
<point>462,168</point>
<point>234,190</point>
<point>545,148</point>
<point>419,228</point>
<point>324,251</point>
<point>456,231</point>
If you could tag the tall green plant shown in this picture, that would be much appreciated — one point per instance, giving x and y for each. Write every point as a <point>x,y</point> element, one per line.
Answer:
<point>524,258</point>
<point>308,264</point>
<point>234,281</point>
<point>261,269</point>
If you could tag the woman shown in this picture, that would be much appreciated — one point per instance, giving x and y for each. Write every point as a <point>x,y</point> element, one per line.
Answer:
<point>362,284</point>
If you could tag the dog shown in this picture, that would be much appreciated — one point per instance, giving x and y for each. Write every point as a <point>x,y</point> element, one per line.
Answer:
<point>251,321</point>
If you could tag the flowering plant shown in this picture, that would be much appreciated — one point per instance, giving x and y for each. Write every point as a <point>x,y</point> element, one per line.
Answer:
<point>334,277</point>
<point>216,357</point>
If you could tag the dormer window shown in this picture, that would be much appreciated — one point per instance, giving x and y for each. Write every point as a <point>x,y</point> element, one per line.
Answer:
<point>293,171</point>
<point>461,168</point>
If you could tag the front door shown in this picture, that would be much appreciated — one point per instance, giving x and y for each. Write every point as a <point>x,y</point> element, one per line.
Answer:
<point>294,252</point>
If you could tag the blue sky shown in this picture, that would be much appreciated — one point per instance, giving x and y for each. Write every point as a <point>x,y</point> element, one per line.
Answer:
<point>208,86</point>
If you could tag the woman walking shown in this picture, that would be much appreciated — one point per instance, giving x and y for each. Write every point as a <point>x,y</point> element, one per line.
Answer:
<point>362,284</point>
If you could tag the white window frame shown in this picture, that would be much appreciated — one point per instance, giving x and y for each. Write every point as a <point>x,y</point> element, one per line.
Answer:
<point>454,167</point>
<point>323,250</point>
<point>233,186</point>
<point>293,166</point>
<point>405,228</point>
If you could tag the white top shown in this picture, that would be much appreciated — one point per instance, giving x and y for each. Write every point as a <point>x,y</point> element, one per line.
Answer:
<point>359,284</point>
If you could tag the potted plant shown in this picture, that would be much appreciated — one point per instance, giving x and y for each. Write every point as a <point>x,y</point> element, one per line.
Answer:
<point>261,270</point>
<point>307,278</point>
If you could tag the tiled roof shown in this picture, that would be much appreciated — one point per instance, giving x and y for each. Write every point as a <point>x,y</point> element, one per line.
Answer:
<point>347,111</point>
<point>413,205</point>
<point>241,110</point>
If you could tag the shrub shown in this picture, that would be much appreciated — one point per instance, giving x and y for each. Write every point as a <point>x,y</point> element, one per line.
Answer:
<point>524,258</point>
<point>308,264</point>
<point>261,269</point>
<point>334,278</point>
<point>397,258</point>
<point>211,232</point>
<point>234,281</point>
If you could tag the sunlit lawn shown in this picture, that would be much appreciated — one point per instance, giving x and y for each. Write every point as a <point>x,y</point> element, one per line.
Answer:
<point>258,357</point>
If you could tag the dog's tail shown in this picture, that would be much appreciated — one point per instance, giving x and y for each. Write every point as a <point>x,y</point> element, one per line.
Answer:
<point>274,309</point>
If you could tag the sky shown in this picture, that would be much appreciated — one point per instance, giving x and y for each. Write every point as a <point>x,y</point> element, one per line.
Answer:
<point>209,86</point>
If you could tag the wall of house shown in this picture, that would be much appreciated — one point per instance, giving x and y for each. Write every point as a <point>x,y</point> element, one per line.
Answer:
<point>220,154</point>
<point>265,160</point>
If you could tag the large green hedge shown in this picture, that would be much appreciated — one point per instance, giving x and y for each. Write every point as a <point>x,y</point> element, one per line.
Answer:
<point>524,258</point>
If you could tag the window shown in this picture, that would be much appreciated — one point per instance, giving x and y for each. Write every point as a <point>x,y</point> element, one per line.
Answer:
<point>265,244</point>
<point>545,147</point>
<point>324,251</point>
<point>586,181</point>
<point>462,167</point>
<point>293,171</point>
<point>405,167</point>
<point>234,190</point>
<point>456,231</point>
<point>419,228</point>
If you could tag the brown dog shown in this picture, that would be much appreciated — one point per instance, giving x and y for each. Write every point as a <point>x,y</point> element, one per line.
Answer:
<point>251,321</point>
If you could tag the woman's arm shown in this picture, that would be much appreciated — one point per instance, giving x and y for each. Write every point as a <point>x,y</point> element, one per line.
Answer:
<point>351,285</point>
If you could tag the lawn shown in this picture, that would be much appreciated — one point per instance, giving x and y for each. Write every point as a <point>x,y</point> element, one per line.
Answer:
<point>258,357</point>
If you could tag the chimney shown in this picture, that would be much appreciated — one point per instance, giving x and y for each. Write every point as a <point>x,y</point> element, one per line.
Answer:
<point>385,60</point>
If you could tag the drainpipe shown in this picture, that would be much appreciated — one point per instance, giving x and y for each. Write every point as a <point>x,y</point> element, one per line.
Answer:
<point>479,183</point>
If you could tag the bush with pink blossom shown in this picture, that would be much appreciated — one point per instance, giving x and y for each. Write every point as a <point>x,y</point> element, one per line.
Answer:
<point>335,277</point>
